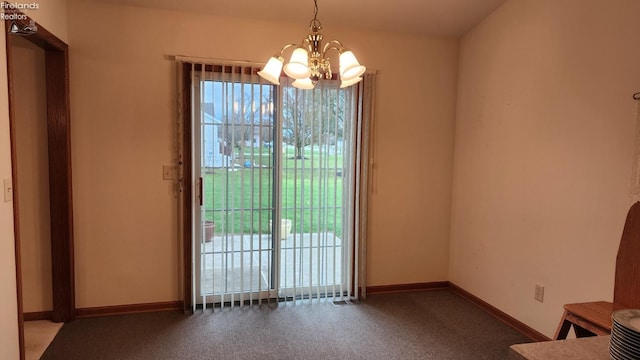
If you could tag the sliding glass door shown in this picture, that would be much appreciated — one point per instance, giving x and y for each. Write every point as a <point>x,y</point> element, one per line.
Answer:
<point>236,171</point>
<point>273,169</point>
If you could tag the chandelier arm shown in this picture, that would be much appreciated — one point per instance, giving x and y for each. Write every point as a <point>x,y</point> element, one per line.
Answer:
<point>286,47</point>
<point>307,43</point>
<point>333,44</point>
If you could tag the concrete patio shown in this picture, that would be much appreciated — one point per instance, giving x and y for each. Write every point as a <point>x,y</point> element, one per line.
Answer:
<point>244,262</point>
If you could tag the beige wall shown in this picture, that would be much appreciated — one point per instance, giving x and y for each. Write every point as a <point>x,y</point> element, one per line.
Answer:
<point>30,111</point>
<point>544,142</point>
<point>52,16</point>
<point>123,92</point>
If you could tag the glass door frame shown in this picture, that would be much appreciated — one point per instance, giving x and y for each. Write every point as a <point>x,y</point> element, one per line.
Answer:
<point>197,225</point>
<point>188,185</point>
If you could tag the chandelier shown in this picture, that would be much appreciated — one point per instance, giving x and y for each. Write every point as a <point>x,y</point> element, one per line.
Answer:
<point>309,64</point>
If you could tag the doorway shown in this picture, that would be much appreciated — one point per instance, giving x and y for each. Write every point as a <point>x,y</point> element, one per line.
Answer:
<point>58,162</point>
<point>32,169</point>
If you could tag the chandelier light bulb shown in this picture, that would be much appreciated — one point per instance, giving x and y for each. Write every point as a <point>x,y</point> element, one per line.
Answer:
<point>272,70</point>
<point>350,68</point>
<point>298,66</point>
<point>305,84</point>
<point>347,83</point>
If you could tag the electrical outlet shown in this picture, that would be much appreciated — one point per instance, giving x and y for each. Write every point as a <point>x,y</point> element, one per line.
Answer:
<point>539,294</point>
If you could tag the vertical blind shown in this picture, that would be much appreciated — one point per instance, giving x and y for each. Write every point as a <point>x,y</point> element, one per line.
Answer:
<point>283,175</point>
<point>317,182</point>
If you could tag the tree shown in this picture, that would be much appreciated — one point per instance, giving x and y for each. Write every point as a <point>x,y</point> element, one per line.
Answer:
<point>244,109</point>
<point>311,116</point>
<point>297,119</point>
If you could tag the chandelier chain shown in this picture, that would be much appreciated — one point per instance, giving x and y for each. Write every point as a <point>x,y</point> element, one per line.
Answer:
<point>315,23</point>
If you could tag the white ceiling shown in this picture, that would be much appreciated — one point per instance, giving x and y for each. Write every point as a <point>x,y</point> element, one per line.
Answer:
<point>436,17</point>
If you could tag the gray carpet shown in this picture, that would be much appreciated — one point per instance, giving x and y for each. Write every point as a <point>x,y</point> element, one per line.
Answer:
<point>420,325</point>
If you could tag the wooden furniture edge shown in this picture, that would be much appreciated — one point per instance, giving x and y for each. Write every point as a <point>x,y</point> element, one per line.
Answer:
<point>128,309</point>
<point>521,327</point>
<point>598,312</point>
<point>587,325</point>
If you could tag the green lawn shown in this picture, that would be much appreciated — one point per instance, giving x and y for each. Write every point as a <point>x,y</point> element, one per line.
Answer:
<point>238,189</point>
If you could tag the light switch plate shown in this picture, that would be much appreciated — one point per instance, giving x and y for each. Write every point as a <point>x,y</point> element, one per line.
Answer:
<point>8,190</point>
